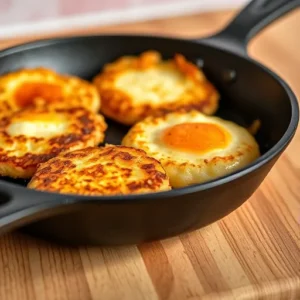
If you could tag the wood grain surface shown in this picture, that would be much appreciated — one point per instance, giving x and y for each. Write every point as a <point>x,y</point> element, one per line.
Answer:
<point>254,253</point>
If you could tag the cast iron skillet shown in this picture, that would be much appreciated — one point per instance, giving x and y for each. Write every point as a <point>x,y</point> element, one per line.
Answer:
<point>249,91</point>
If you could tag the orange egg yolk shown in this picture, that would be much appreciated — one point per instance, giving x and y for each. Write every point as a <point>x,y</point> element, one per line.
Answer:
<point>27,92</point>
<point>196,137</point>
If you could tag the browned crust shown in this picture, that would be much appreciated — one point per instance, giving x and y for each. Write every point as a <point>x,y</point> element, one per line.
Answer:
<point>119,106</point>
<point>85,129</point>
<point>105,165</point>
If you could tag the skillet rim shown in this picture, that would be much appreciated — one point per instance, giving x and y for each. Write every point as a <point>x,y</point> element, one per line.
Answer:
<point>274,151</point>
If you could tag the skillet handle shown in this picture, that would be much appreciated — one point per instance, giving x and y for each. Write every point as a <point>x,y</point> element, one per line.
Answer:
<point>252,18</point>
<point>19,206</point>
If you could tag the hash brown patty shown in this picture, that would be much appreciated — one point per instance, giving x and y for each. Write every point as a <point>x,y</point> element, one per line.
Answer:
<point>34,135</point>
<point>45,87</point>
<point>192,147</point>
<point>134,87</point>
<point>109,170</point>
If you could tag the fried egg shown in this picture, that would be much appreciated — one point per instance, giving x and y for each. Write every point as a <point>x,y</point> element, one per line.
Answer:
<point>134,87</point>
<point>109,170</point>
<point>192,147</point>
<point>45,87</point>
<point>34,135</point>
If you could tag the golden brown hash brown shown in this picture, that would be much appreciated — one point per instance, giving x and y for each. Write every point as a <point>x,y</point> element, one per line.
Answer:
<point>134,87</point>
<point>41,86</point>
<point>109,170</point>
<point>34,135</point>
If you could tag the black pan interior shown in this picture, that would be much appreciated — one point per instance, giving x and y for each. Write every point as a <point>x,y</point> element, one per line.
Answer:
<point>248,92</point>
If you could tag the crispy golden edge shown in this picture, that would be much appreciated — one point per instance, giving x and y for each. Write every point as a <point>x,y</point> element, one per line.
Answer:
<point>85,129</point>
<point>119,106</point>
<point>60,173</point>
<point>131,140</point>
<point>254,127</point>
<point>76,91</point>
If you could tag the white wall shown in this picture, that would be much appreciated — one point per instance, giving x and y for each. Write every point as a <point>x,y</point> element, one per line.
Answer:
<point>20,17</point>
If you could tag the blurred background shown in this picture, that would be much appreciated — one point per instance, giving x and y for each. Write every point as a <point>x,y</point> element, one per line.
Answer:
<point>24,17</point>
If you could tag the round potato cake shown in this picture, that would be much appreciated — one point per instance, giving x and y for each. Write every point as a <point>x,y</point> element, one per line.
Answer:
<point>45,87</point>
<point>33,135</point>
<point>134,87</point>
<point>192,147</point>
<point>109,170</point>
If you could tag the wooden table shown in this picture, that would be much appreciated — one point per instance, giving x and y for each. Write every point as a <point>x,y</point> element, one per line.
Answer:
<point>254,253</point>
